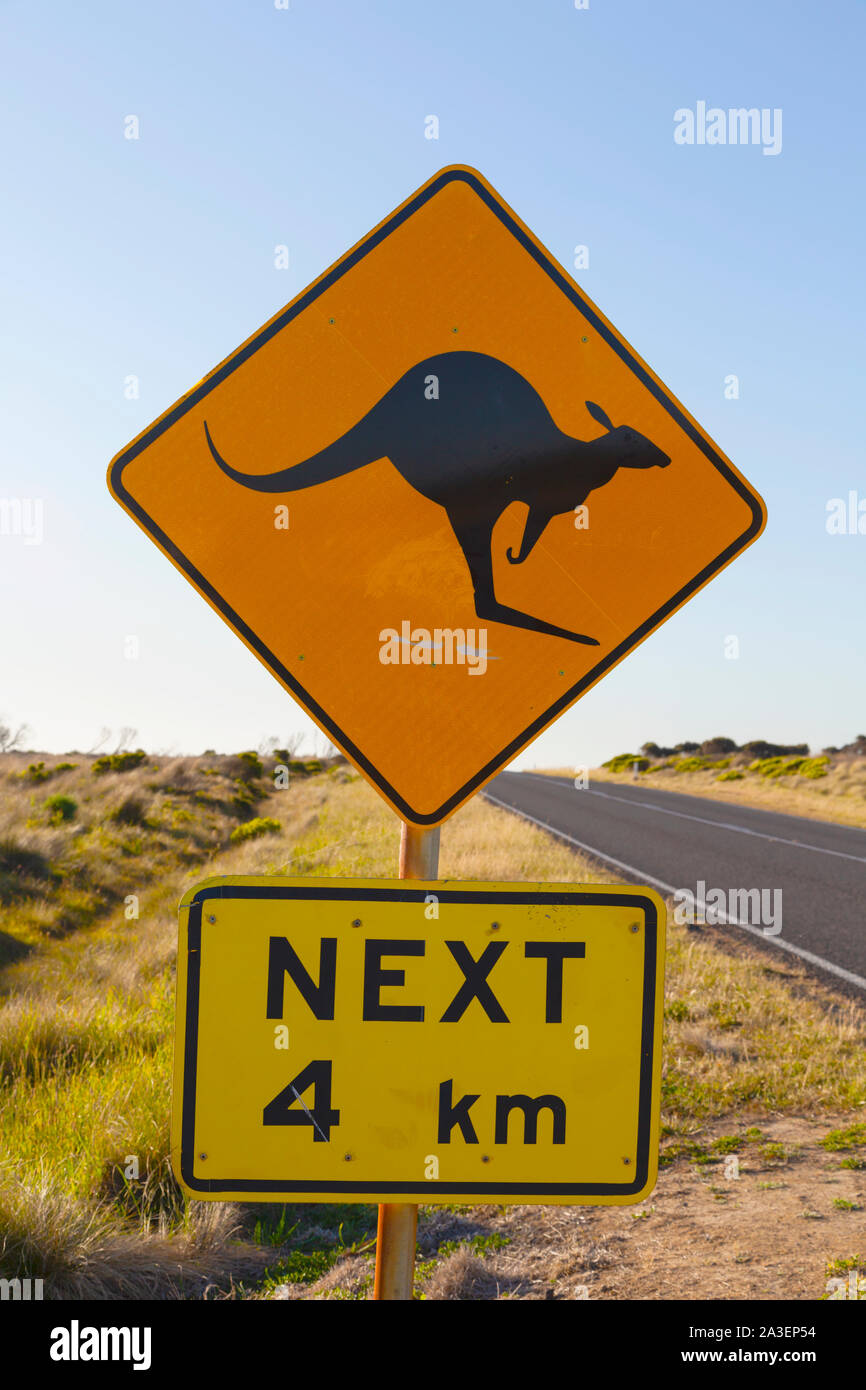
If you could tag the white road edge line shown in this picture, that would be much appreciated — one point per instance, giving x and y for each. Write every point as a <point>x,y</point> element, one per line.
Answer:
<point>719,824</point>
<point>669,888</point>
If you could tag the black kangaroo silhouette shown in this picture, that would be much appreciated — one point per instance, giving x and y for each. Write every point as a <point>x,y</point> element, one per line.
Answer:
<point>470,433</point>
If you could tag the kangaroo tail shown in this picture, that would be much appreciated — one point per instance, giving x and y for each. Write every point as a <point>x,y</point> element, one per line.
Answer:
<point>352,450</point>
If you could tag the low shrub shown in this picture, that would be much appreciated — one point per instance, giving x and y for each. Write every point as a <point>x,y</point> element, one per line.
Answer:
<point>759,748</point>
<point>60,808</point>
<point>36,772</point>
<point>252,764</point>
<point>815,767</point>
<point>118,762</point>
<point>244,799</point>
<point>713,746</point>
<point>789,767</point>
<point>305,767</point>
<point>678,1011</point>
<point>252,829</point>
<point>624,762</point>
<point>694,764</point>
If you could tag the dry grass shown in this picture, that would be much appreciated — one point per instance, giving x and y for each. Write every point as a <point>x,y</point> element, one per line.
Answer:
<point>81,1251</point>
<point>86,1028</point>
<point>744,1033</point>
<point>126,831</point>
<point>86,1025</point>
<point>463,1277</point>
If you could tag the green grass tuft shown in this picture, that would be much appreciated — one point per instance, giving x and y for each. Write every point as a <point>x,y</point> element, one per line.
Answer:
<point>849,1138</point>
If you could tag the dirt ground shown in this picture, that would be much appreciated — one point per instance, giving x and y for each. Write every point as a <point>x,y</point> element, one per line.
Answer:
<point>767,1233</point>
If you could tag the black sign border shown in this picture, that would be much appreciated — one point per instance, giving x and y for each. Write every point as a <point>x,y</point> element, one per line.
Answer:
<point>283,675</point>
<point>274,1189</point>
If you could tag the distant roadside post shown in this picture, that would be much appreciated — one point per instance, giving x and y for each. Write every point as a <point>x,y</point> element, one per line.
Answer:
<point>439,497</point>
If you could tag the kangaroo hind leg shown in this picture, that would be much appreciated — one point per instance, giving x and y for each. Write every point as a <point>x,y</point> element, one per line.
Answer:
<point>476,540</point>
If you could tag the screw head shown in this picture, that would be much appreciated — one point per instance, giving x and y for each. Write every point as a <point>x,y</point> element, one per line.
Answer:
<point>494,926</point>
<point>356,922</point>
<point>211,919</point>
<point>634,927</point>
<point>626,1161</point>
<point>202,1155</point>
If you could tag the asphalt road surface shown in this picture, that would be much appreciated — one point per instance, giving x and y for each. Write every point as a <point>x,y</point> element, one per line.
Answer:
<point>676,842</point>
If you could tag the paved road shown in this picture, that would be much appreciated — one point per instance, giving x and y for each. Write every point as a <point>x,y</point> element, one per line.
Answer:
<point>673,841</point>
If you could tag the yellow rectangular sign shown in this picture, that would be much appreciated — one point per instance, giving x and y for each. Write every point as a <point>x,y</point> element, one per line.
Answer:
<point>352,1040</point>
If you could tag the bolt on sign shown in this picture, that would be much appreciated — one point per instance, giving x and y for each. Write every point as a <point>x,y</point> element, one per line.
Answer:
<point>438,495</point>
<point>373,1041</point>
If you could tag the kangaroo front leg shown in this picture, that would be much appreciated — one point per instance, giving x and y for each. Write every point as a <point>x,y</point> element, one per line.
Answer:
<point>475,542</point>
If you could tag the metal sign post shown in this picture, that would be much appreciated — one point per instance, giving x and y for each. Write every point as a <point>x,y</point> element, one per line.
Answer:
<point>398,1221</point>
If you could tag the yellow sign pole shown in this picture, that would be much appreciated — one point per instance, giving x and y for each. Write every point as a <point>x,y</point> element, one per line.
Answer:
<point>398,1221</point>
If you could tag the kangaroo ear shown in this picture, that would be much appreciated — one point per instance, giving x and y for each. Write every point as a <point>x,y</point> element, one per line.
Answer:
<point>598,414</point>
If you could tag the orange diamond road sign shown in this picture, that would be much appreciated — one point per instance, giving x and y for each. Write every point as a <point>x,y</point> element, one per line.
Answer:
<point>438,495</point>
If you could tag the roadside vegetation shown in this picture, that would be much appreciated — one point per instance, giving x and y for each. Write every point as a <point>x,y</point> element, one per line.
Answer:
<point>89,887</point>
<point>828,786</point>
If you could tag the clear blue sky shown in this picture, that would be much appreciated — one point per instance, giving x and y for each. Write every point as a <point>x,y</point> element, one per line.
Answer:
<point>261,126</point>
